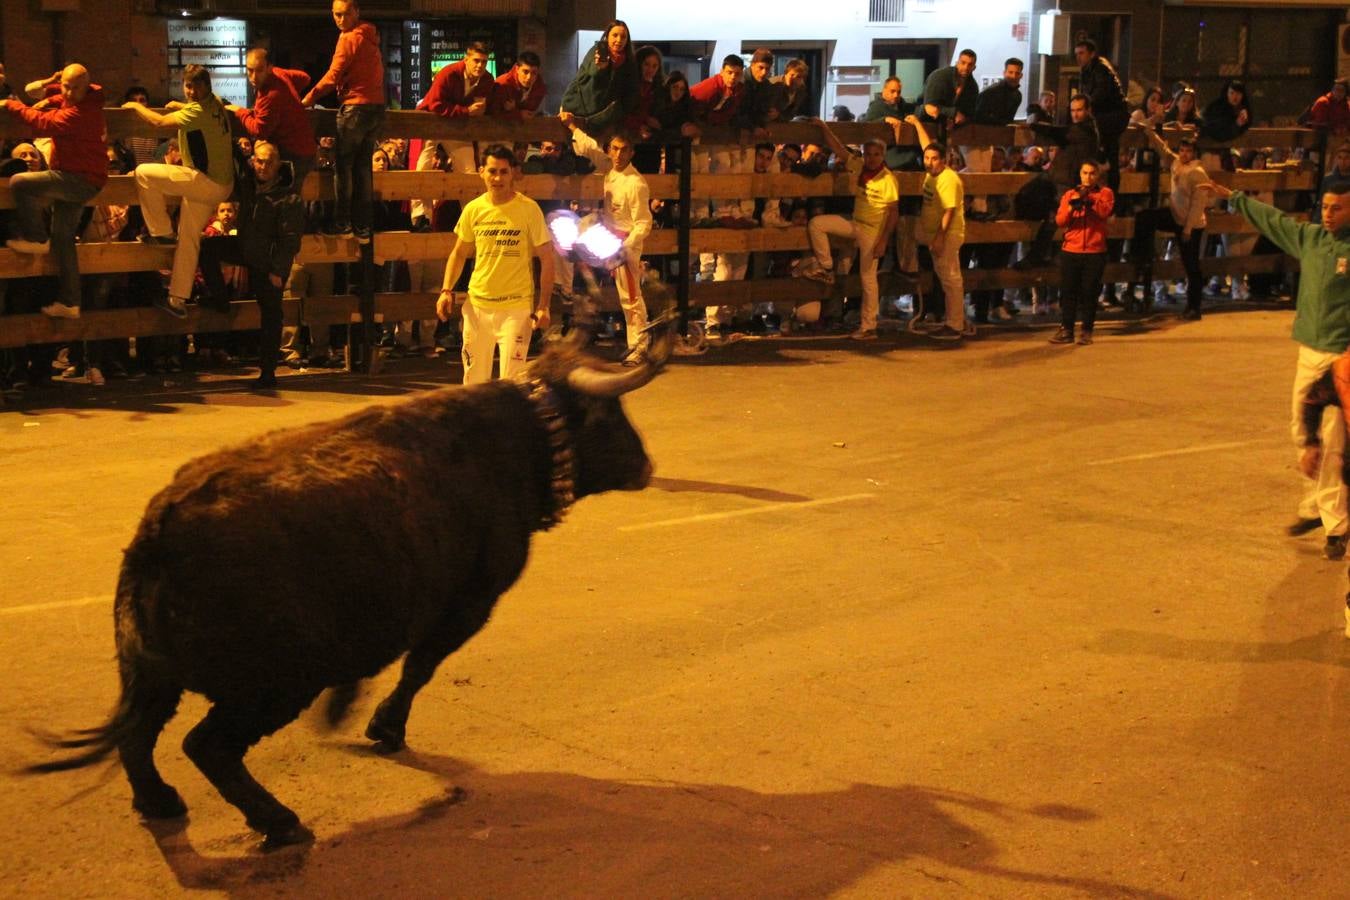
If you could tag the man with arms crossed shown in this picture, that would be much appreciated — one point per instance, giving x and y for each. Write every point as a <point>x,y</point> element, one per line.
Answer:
<point>1322,330</point>
<point>503,231</point>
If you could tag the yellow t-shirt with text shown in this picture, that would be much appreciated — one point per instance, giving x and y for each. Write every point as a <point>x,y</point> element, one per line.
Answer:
<point>871,201</point>
<point>940,194</point>
<point>504,239</point>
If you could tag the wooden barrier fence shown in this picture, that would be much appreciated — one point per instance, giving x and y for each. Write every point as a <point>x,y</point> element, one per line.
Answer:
<point>119,257</point>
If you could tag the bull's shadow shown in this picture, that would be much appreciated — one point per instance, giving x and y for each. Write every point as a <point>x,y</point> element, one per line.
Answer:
<point>565,835</point>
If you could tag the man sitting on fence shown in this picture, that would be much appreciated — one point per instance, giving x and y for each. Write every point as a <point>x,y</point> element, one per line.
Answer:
<point>79,169</point>
<point>205,179</point>
<point>502,231</point>
<point>277,115</point>
<point>519,91</point>
<point>875,212</point>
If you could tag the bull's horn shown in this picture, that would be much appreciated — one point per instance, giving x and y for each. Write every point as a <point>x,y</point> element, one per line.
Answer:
<point>599,383</point>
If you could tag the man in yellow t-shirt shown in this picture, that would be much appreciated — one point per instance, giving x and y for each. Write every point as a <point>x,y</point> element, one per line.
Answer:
<point>875,213</point>
<point>942,229</point>
<point>503,231</point>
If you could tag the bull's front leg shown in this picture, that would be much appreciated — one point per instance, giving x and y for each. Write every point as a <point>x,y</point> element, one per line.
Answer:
<point>389,723</point>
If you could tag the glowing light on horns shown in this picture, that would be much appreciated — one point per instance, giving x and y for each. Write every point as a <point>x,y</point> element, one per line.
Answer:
<point>562,224</point>
<point>599,243</point>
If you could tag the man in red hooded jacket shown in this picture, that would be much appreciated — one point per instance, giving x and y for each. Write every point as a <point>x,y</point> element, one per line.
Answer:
<point>278,116</point>
<point>357,74</point>
<point>519,91</point>
<point>460,90</point>
<point>79,169</point>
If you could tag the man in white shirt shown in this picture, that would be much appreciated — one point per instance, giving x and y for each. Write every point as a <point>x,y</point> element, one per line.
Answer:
<point>1183,216</point>
<point>627,213</point>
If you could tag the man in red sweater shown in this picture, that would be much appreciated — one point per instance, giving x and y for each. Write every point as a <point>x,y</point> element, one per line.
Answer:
<point>519,91</point>
<point>277,115</point>
<point>79,169</point>
<point>357,74</point>
<point>460,90</point>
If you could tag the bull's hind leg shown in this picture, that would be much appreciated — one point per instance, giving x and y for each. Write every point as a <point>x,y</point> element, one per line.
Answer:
<point>156,703</point>
<point>217,746</point>
<point>390,722</point>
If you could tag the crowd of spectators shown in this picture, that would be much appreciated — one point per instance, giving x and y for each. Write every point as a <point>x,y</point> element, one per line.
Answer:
<point>621,90</point>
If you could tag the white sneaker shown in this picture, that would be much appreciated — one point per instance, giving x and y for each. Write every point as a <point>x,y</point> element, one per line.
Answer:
<point>94,376</point>
<point>1240,289</point>
<point>33,248</point>
<point>61,311</point>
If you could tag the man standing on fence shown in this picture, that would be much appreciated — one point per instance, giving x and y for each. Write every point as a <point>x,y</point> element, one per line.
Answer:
<point>502,231</point>
<point>277,115</point>
<point>202,182</point>
<point>79,169</point>
<point>875,213</point>
<point>271,220</point>
<point>357,74</point>
<point>942,231</point>
<point>1322,330</point>
<point>627,213</point>
<point>1184,216</point>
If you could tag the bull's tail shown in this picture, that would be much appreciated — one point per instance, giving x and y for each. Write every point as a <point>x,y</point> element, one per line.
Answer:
<point>94,743</point>
<point>142,690</point>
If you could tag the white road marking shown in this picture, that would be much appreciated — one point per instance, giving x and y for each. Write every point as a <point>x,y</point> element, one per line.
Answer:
<point>55,604</point>
<point>1184,451</point>
<point>732,514</point>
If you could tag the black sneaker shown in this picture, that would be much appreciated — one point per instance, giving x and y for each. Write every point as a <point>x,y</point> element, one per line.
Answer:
<point>945,333</point>
<point>1302,526</point>
<point>1063,336</point>
<point>264,382</point>
<point>1334,548</point>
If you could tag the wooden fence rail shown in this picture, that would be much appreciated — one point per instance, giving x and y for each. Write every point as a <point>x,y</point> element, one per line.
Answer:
<point>118,257</point>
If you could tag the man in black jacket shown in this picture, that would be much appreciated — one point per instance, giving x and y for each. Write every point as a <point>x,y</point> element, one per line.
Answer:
<point>950,94</point>
<point>998,103</point>
<point>271,220</point>
<point>1078,143</point>
<point>1099,82</point>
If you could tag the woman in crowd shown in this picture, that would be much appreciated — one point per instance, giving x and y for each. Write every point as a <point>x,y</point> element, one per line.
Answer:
<point>1225,120</point>
<point>605,89</point>
<point>642,123</point>
<point>1184,111</point>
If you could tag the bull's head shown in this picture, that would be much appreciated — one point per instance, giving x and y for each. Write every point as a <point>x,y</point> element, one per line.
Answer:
<point>609,452</point>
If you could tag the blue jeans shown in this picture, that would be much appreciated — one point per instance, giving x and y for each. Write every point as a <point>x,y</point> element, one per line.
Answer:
<point>65,194</point>
<point>357,124</point>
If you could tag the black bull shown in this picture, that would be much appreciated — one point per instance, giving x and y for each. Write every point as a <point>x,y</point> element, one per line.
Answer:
<point>314,557</point>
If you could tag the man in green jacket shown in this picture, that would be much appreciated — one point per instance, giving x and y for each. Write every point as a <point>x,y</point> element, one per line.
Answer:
<point>1322,329</point>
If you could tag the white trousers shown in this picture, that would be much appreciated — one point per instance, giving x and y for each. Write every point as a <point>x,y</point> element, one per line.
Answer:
<point>820,229</point>
<point>508,330</point>
<point>1324,496</point>
<point>155,183</point>
<point>628,279</point>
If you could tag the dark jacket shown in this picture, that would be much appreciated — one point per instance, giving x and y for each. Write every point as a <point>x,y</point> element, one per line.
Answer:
<point>1219,122</point>
<point>998,104</point>
<point>941,91</point>
<point>271,221</point>
<point>1078,142</point>
<point>1100,83</point>
<point>673,116</point>
<point>879,110</point>
<point>605,95</point>
<point>789,106</point>
<point>757,104</point>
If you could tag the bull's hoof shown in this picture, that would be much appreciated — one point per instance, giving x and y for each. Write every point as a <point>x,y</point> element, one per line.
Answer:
<point>287,836</point>
<point>162,804</point>
<point>387,740</point>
